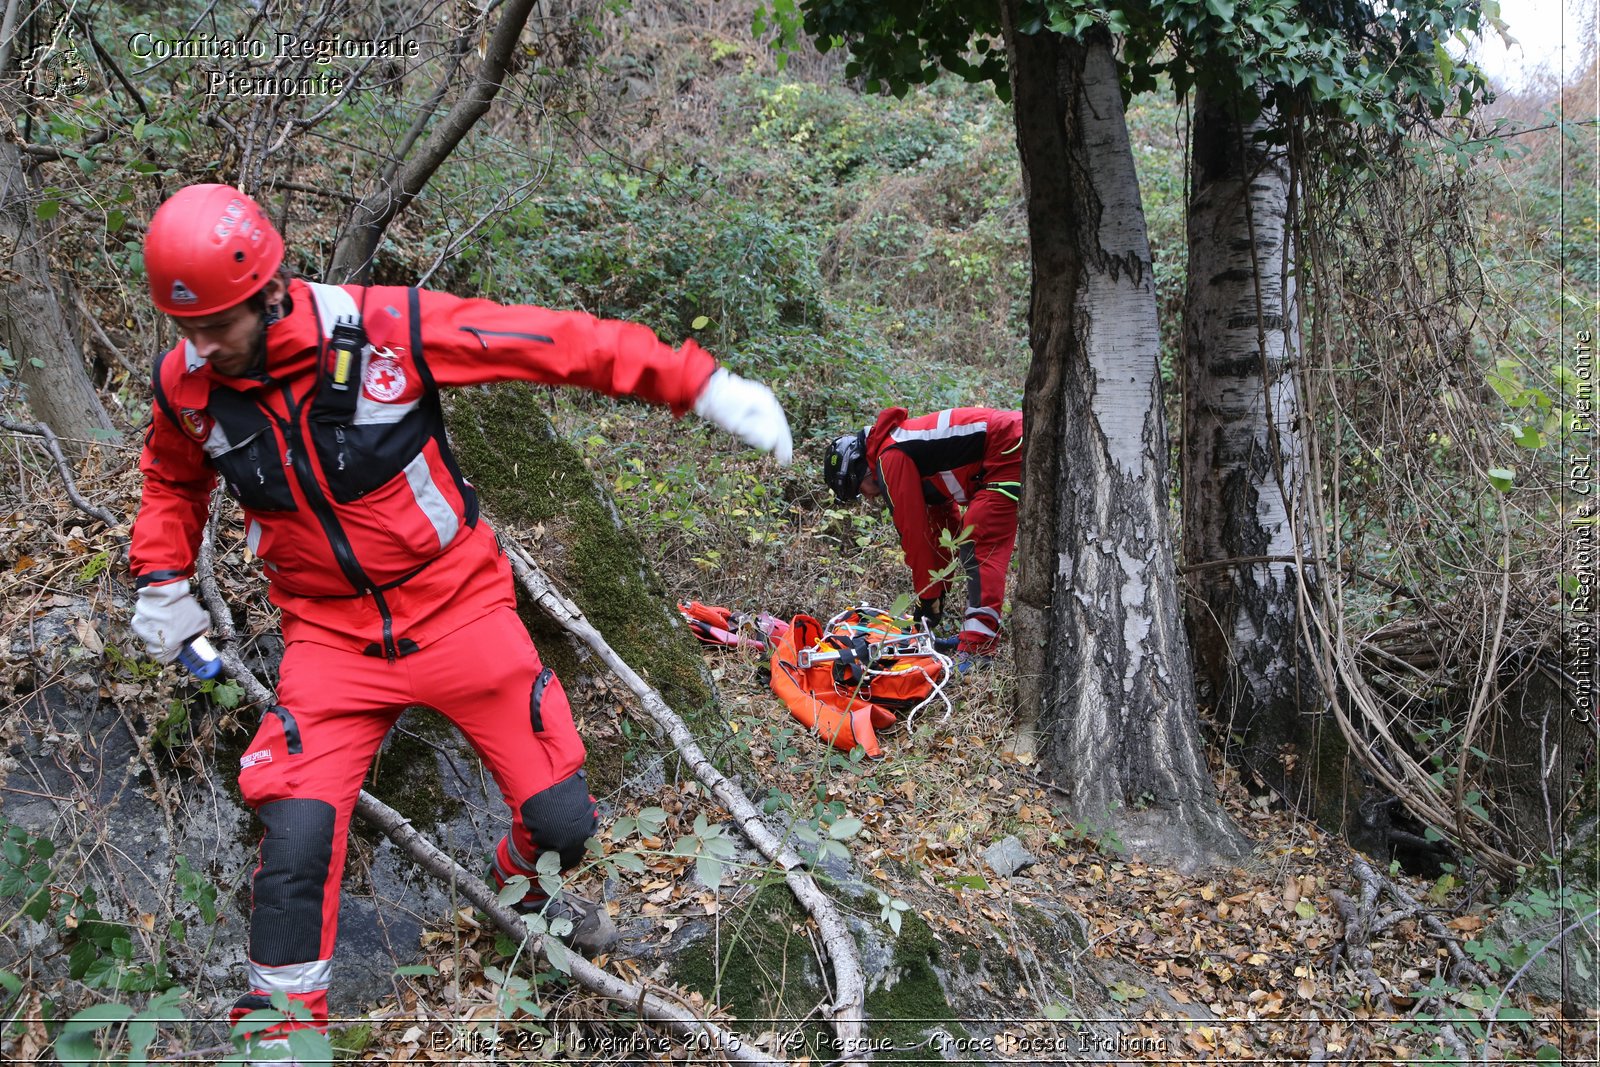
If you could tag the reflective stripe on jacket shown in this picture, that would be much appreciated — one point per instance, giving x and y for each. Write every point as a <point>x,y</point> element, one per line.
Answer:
<point>932,466</point>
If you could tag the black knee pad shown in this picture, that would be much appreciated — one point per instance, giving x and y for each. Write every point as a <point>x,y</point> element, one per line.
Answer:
<point>286,916</point>
<point>560,819</point>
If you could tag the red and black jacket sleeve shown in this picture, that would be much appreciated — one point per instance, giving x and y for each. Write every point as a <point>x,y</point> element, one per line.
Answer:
<point>175,498</point>
<point>474,342</point>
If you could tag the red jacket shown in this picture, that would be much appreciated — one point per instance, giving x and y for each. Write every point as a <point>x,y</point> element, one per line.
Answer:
<point>932,466</point>
<point>368,530</point>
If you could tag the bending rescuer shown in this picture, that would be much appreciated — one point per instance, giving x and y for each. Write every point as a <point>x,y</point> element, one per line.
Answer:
<point>944,471</point>
<point>318,406</point>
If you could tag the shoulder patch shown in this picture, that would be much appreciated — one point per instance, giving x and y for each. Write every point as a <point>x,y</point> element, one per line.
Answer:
<point>197,424</point>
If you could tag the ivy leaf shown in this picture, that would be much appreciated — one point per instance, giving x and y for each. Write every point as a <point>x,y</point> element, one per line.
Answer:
<point>1527,436</point>
<point>844,829</point>
<point>76,1045</point>
<point>1502,478</point>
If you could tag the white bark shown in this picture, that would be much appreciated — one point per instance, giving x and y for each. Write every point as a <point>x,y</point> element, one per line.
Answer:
<point>1100,642</point>
<point>1242,457</point>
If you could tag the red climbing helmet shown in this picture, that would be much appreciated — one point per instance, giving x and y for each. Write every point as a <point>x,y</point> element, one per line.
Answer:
<point>208,248</point>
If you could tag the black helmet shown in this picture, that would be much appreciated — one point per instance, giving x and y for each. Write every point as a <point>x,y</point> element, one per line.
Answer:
<point>845,465</point>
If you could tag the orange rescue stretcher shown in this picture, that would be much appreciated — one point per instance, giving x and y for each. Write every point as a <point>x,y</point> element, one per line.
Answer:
<point>850,678</point>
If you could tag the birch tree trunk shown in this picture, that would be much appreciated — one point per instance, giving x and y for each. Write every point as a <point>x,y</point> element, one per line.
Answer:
<point>33,326</point>
<point>1242,459</point>
<point>1103,660</point>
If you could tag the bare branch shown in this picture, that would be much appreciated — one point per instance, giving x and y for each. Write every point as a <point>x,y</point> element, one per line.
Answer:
<point>847,1007</point>
<point>110,63</point>
<point>49,153</point>
<point>53,446</point>
<point>314,190</point>
<point>352,259</point>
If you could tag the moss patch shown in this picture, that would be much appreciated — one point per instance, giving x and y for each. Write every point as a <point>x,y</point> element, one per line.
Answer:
<point>406,775</point>
<point>760,966</point>
<point>530,477</point>
<point>903,1013</point>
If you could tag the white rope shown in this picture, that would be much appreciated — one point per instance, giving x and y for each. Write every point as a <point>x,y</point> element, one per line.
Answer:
<point>946,666</point>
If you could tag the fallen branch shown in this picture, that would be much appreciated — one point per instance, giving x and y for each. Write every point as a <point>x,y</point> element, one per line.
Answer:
<point>398,829</point>
<point>704,1034</point>
<point>1430,921</point>
<point>53,446</point>
<point>846,1010</point>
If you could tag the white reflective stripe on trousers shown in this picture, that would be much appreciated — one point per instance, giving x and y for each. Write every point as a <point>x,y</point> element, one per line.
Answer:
<point>310,977</point>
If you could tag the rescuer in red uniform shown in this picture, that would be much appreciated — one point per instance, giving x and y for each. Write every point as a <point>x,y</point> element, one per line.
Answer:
<point>318,406</point>
<point>946,471</point>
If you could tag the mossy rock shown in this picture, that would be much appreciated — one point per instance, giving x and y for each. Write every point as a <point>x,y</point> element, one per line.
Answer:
<point>531,479</point>
<point>905,1010</point>
<point>761,967</point>
<point>406,774</point>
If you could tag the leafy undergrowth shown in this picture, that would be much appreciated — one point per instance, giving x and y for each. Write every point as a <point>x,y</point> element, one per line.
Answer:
<point>1243,963</point>
<point>1247,962</point>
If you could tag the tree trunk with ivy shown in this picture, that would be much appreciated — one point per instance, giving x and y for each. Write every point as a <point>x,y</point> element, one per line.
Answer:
<point>1242,459</point>
<point>1101,652</point>
<point>48,361</point>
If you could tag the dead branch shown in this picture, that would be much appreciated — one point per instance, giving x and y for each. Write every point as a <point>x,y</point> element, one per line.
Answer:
<point>1430,922</point>
<point>53,446</point>
<point>314,190</point>
<point>846,1011</point>
<point>436,862</point>
<point>683,1023</point>
<point>352,258</point>
<point>105,340</point>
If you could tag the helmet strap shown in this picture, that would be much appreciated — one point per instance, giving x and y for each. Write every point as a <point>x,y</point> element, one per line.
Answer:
<point>258,351</point>
<point>270,314</point>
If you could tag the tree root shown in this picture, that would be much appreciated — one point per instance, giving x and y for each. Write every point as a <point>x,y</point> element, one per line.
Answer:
<point>1430,922</point>
<point>846,1011</point>
<point>1356,945</point>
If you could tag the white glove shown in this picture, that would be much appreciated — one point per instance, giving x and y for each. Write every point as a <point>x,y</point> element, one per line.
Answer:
<point>749,411</point>
<point>166,617</point>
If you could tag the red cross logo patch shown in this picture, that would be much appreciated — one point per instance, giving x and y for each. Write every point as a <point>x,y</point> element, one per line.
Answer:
<point>385,378</point>
<point>197,424</point>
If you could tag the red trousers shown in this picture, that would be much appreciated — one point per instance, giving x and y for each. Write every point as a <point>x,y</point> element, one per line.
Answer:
<point>304,769</point>
<point>993,518</point>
